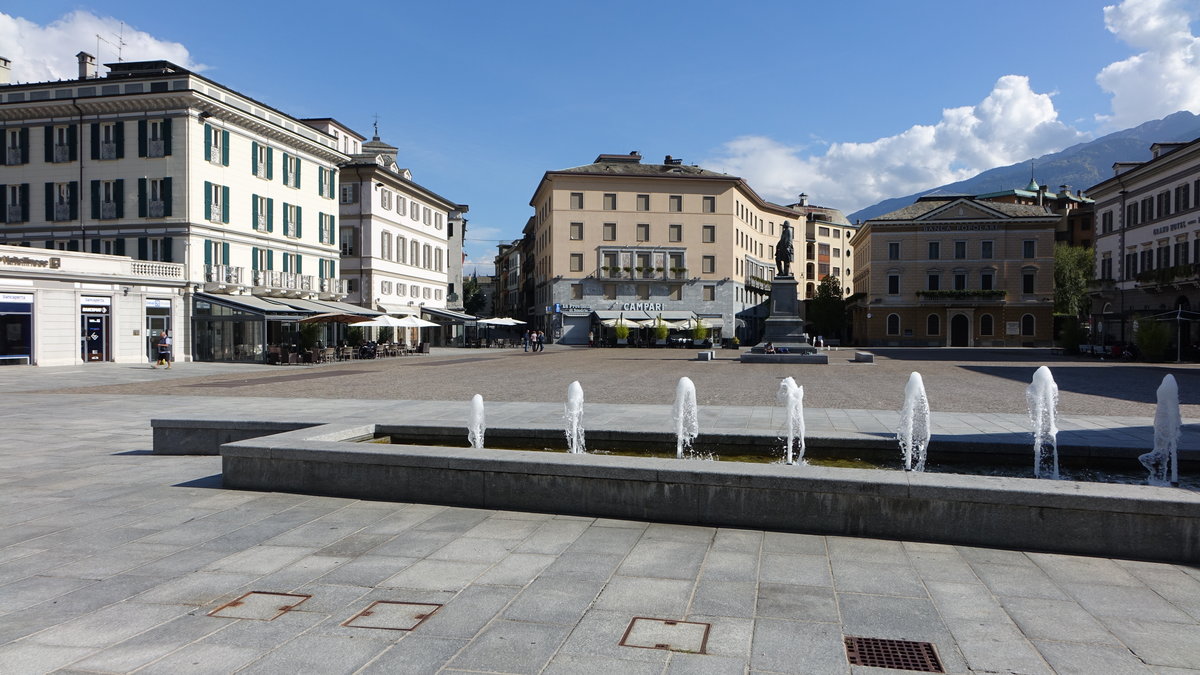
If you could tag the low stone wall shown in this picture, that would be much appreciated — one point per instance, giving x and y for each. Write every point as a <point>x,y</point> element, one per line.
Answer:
<point>205,437</point>
<point>1125,521</point>
<point>750,357</point>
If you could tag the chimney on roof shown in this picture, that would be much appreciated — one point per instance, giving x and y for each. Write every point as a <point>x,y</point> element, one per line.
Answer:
<point>803,199</point>
<point>1042,195</point>
<point>87,65</point>
<point>1064,189</point>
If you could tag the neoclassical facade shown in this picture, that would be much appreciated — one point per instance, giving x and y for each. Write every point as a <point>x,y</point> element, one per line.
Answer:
<point>956,271</point>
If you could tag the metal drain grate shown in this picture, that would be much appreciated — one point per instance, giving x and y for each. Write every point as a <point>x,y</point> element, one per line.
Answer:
<point>260,606</point>
<point>898,654</point>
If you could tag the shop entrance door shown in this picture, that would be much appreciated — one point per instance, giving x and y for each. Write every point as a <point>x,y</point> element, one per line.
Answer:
<point>158,319</point>
<point>95,337</point>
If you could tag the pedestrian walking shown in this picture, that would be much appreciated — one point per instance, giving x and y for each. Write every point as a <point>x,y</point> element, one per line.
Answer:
<point>525,341</point>
<point>538,337</point>
<point>164,350</point>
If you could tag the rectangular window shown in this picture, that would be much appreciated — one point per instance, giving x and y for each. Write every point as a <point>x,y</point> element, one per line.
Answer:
<point>710,293</point>
<point>986,281</point>
<point>1106,221</point>
<point>960,281</point>
<point>708,264</point>
<point>1028,249</point>
<point>216,145</point>
<point>643,202</point>
<point>385,199</point>
<point>576,200</point>
<point>1131,214</point>
<point>576,231</point>
<point>823,231</point>
<point>1147,209</point>
<point>935,250</point>
<point>933,282</point>
<point>709,204</point>
<point>1027,283</point>
<point>960,250</point>
<point>893,250</point>
<point>1164,204</point>
<point>643,232</point>
<point>822,250</point>
<point>985,250</point>
<point>675,203</point>
<point>425,214</point>
<point>610,201</point>
<point>291,170</point>
<point>291,220</point>
<point>610,232</point>
<point>675,232</point>
<point>709,233</point>
<point>893,284</point>
<point>401,205</point>
<point>1131,261</point>
<point>576,262</point>
<point>1183,200</point>
<point>350,193</point>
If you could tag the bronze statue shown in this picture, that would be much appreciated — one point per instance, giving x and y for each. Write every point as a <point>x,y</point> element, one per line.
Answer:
<point>784,253</point>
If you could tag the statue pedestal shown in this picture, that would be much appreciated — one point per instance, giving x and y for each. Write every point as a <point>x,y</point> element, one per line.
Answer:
<point>785,328</point>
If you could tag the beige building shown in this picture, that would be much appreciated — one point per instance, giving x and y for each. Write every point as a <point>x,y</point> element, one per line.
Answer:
<point>621,238</point>
<point>956,271</point>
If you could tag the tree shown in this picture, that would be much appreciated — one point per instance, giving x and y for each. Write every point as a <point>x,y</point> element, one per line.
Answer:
<point>473,297</point>
<point>827,308</point>
<point>1073,268</point>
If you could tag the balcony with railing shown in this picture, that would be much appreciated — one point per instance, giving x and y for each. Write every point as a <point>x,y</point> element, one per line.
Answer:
<point>333,289</point>
<point>108,210</point>
<point>62,212</point>
<point>156,147</point>
<point>156,209</point>
<point>641,273</point>
<point>15,214</point>
<point>108,151</point>
<point>62,153</point>
<point>13,156</point>
<point>156,270</point>
<point>214,212</point>
<point>1167,278</point>
<point>283,284</point>
<point>963,295</point>
<point>222,277</point>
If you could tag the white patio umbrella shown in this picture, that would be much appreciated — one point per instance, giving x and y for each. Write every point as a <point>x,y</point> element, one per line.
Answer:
<point>501,321</point>
<point>411,321</point>
<point>620,321</point>
<point>385,321</point>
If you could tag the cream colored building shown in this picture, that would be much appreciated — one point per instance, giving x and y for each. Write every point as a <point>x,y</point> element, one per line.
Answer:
<point>621,238</point>
<point>956,271</point>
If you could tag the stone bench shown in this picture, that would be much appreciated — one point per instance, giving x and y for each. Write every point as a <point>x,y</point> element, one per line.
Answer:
<point>864,357</point>
<point>706,356</point>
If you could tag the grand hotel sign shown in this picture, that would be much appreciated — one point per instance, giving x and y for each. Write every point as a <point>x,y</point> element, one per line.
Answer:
<point>50,263</point>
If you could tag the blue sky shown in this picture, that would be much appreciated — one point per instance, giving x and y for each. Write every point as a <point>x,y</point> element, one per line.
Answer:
<point>851,102</point>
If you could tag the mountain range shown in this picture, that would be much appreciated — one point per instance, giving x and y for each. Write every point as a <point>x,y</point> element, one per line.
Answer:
<point>1079,166</point>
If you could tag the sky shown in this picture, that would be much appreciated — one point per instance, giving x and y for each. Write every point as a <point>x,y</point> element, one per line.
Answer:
<point>850,102</point>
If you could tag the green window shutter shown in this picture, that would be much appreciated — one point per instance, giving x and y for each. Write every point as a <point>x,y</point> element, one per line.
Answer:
<point>287,262</point>
<point>270,163</point>
<point>168,249</point>
<point>143,138</point>
<point>287,169</point>
<point>166,134</point>
<point>270,260</point>
<point>73,245</point>
<point>119,195</point>
<point>254,258</point>
<point>320,181</point>
<point>72,143</point>
<point>166,197</point>
<point>95,128</point>
<point>143,248</point>
<point>208,130</point>
<point>253,211</point>
<point>225,147</point>
<point>299,264</point>
<point>95,200</point>
<point>23,139</point>
<point>224,203</point>
<point>119,138</point>
<point>95,245</point>
<point>299,220</point>
<point>3,203</point>
<point>208,247</point>
<point>48,137</point>
<point>25,202</point>
<point>332,269</point>
<point>270,215</point>
<point>119,247</point>
<point>225,253</point>
<point>254,158</point>
<point>207,198</point>
<point>142,198</point>
<point>49,202</point>
<point>286,220</point>
<point>73,196</point>
<point>298,163</point>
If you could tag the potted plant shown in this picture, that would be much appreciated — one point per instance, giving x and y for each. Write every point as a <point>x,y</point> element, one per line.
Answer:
<point>628,269</point>
<point>660,332</point>
<point>699,333</point>
<point>622,333</point>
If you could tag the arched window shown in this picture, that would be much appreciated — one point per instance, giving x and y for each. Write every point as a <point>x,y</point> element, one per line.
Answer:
<point>425,251</point>
<point>401,249</point>
<point>933,325</point>
<point>810,271</point>
<point>893,324</point>
<point>385,246</point>
<point>414,254</point>
<point>810,290</point>
<point>1027,325</point>
<point>985,325</point>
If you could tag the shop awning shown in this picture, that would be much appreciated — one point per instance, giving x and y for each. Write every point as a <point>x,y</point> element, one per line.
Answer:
<point>345,307</point>
<point>398,310</point>
<point>444,314</point>
<point>271,310</point>
<point>639,314</point>
<point>304,305</point>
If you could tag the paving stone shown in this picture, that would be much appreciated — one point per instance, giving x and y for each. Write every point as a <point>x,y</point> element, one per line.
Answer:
<point>511,647</point>
<point>436,575</point>
<point>558,600</point>
<point>876,578</point>
<point>1061,620</point>
<point>1111,600</point>
<point>203,658</point>
<point>108,626</point>
<point>584,565</point>
<point>598,636</point>
<point>724,598</point>
<point>801,570</point>
<point>664,558</point>
<point>469,611</point>
<point>517,569</point>
<point>367,570</point>
<point>792,647</point>
<point>1018,581</point>
<point>1159,643</point>
<point>415,655</point>
<point>141,649</point>
<point>747,541</point>
<point>1068,658</point>
<point>33,659</point>
<point>796,603</point>
<point>574,664</point>
<point>787,542</point>
<point>642,596</point>
<point>474,550</point>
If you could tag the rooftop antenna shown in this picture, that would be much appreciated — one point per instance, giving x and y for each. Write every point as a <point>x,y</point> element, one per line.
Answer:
<point>120,44</point>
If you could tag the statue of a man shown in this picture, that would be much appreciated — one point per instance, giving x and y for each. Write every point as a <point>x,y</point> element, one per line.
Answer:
<point>784,253</point>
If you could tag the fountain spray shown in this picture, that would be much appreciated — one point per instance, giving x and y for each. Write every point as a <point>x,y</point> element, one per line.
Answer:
<point>792,396</point>
<point>1042,398</point>
<point>687,425</point>
<point>475,423</point>
<point>913,433</point>
<point>574,417</point>
<point>1163,461</point>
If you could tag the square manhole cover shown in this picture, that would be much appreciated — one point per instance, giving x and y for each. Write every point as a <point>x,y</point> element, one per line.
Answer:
<point>388,615</point>
<point>897,654</point>
<point>260,606</point>
<point>675,636</point>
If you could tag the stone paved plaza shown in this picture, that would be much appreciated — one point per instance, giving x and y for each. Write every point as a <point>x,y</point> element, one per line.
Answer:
<point>112,558</point>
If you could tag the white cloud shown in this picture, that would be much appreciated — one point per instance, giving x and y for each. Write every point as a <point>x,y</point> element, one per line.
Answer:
<point>1011,124</point>
<point>1165,76</point>
<point>43,53</point>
